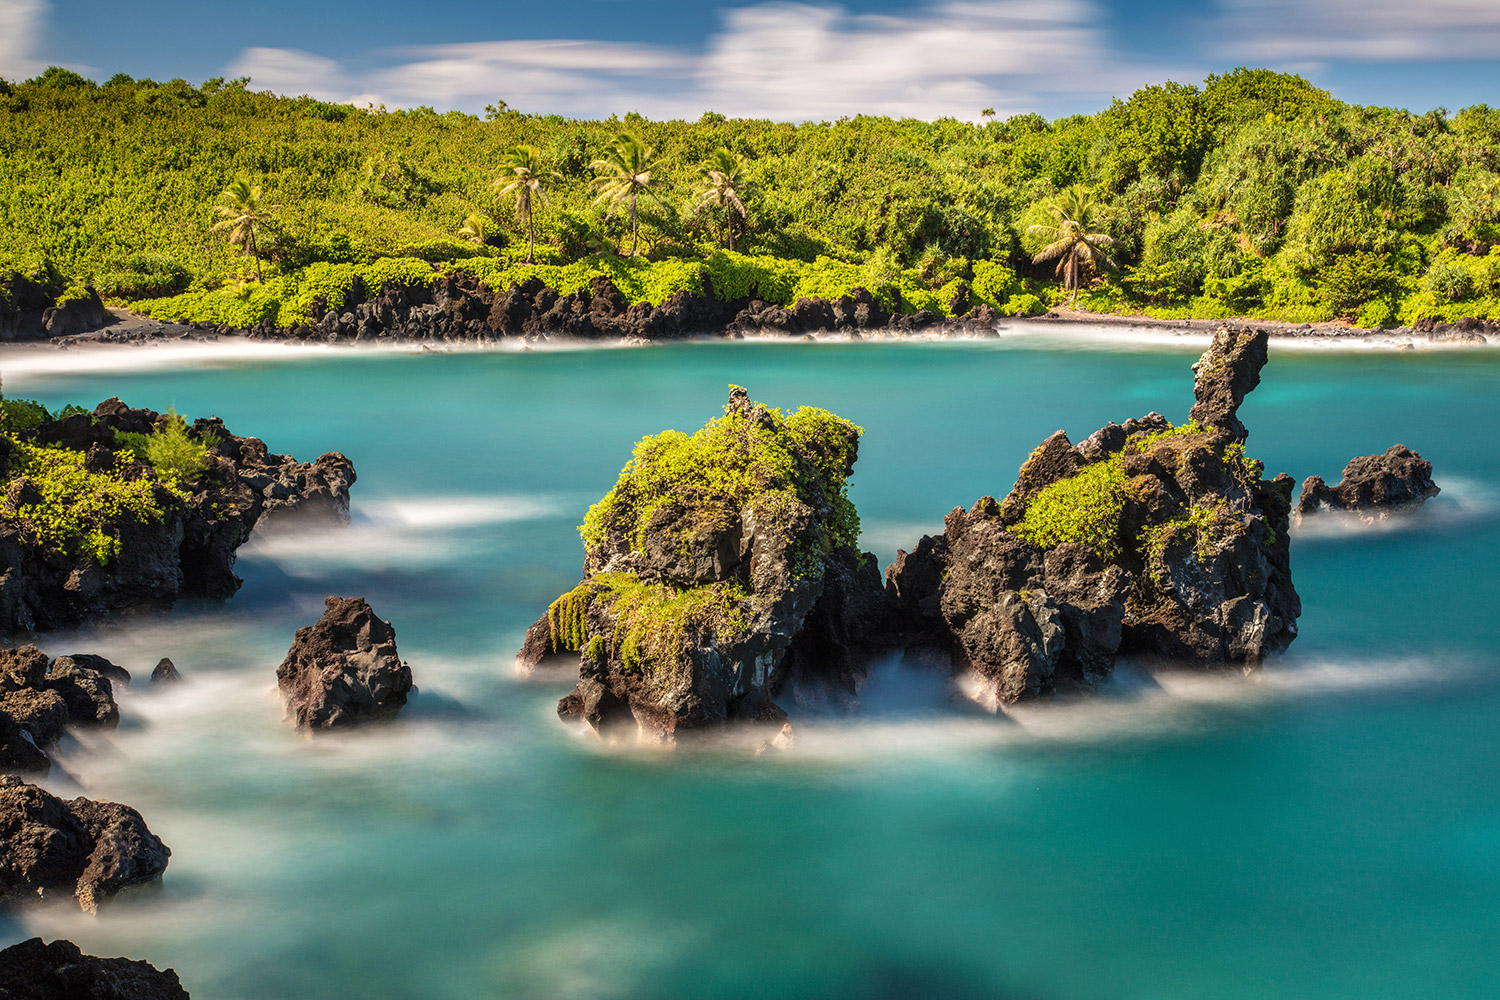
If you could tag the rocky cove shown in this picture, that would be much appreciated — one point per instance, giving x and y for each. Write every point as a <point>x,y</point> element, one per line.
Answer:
<point>1004,649</point>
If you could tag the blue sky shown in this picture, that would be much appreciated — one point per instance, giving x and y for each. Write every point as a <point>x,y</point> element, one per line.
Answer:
<point>783,60</point>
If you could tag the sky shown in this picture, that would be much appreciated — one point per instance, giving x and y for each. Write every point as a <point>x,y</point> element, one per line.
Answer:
<point>790,61</point>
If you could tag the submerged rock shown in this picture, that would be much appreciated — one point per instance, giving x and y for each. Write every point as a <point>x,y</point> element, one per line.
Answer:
<point>1147,539</point>
<point>719,566</point>
<point>35,970</point>
<point>171,541</point>
<point>1373,485</point>
<point>83,848</point>
<point>344,669</point>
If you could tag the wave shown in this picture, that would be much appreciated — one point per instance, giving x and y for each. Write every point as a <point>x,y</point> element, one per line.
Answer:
<point>402,532</point>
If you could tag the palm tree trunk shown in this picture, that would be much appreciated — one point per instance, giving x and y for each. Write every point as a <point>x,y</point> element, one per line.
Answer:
<point>729,228</point>
<point>255,252</point>
<point>530,237</point>
<point>635,236</point>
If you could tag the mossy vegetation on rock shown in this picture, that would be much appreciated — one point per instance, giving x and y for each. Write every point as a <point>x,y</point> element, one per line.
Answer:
<point>1147,538</point>
<point>704,567</point>
<point>121,507</point>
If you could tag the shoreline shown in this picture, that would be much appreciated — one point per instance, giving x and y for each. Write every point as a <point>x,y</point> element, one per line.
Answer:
<point>126,334</point>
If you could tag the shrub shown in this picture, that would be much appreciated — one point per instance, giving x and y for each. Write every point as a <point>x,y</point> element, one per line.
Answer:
<point>170,450</point>
<point>1449,281</point>
<point>78,510</point>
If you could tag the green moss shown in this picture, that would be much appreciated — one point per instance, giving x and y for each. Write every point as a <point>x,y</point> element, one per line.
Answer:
<point>1084,508</point>
<point>1144,444</point>
<point>77,510</point>
<point>653,623</point>
<point>736,462</point>
<point>1207,523</point>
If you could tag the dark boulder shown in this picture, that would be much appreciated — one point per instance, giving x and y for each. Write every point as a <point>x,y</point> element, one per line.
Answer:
<point>83,848</point>
<point>344,669</point>
<point>34,970</point>
<point>1373,485</point>
<point>89,695</point>
<point>165,672</point>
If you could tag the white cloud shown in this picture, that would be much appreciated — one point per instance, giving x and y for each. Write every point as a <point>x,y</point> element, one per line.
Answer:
<point>789,61</point>
<point>20,31</point>
<point>1283,31</point>
<point>294,72</point>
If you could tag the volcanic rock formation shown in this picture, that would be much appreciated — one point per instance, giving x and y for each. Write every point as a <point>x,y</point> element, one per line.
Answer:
<point>86,849</point>
<point>344,669</point>
<point>175,539</point>
<point>34,970</point>
<point>720,566</point>
<point>1373,485</point>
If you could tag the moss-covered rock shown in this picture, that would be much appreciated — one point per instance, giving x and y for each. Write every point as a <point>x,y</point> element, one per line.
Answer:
<point>126,508</point>
<point>704,566</point>
<point>1147,538</point>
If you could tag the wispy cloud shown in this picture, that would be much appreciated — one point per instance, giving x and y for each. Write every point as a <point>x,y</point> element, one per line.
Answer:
<point>20,32</point>
<point>1283,31</point>
<point>788,61</point>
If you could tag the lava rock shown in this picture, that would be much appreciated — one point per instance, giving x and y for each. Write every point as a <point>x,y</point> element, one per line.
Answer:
<point>1374,484</point>
<point>35,970</point>
<point>344,669</point>
<point>165,672</point>
<point>83,848</point>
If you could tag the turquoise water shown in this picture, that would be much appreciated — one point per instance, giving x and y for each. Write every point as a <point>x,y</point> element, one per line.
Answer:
<point>1328,829</point>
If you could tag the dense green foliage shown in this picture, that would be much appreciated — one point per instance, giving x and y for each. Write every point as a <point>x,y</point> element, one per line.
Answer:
<point>774,467</point>
<point>62,506</point>
<point>1255,193</point>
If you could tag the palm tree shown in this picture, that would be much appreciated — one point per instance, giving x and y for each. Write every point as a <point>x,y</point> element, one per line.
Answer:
<point>243,215</point>
<point>523,178</point>
<point>474,229</point>
<point>728,186</point>
<point>988,114</point>
<point>1075,249</point>
<point>624,174</point>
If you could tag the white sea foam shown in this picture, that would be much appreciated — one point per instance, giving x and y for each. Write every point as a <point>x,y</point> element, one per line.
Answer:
<point>401,532</point>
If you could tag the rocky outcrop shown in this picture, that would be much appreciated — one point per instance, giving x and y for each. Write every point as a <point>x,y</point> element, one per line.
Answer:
<point>719,568</point>
<point>1145,539</point>
<point>165,672</point>
<point>456,307</point>
<point>35,970</point>
<point>187,551</point>
<point>1373,485</point>
<point>344,669</point>
<point>38,698</point>
<point>86,849</point>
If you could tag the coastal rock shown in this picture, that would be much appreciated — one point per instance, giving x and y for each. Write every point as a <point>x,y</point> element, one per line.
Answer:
<point>719,570</point>
<point>344,669</point>
<point>1147,539</point>
<point>87,849</point>
<point>86,689</point>
<point>165,672</point>
<point>1373,485</point>
<point>34,970</point>
<point>188,551</point>
<point>1226,373</point>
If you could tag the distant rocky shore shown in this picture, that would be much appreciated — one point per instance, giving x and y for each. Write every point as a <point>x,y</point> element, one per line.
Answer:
<point>459,309</point>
